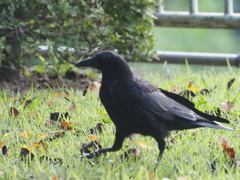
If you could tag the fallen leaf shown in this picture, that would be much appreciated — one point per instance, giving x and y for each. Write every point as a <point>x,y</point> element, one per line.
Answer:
<point>57,132</point>
<point>42,136</point>
<point>98,128</point>
<point>204,92</point>
<point>144,145</point>
<point>55,135</point>
<point>133,152</point>
<point>27,134</point>
<point>25,154</point>
<point>49,102</point>
<point>176,89</point>
<point>88,147</point>
<point>94,138</point>
<point>230,151</point>
<point>226,106</point>
<point>229,84</point>
<point>190,84</point>
<point>58,116</point>
<point>71,107</point>
<point>187,94</point>
<point>2,143</point>
<point>38,145</point>
<point>151,175</point>
<point>4,150</point>
<point>13,111</point>
<point>64,124</point>
<point>27,103</point>
<point>193,89</point>
<point>26,147</point>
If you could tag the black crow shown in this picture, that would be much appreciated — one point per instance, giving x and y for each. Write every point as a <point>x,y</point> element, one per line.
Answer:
<point>136,106</point>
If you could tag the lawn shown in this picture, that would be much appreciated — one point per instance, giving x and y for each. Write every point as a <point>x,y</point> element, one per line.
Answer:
<point>190,154</point>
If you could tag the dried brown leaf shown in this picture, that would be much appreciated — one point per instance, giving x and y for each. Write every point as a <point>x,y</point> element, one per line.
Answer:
<point>71,107</point>
<point>38,145</point>
<point>204,92</point>
<point>5,150</point>
<point>230,151</point>
<point>49,102</point>
<point>13,111</point>
<point>98,128</point>
<point>26,154</point>
<point>88,147</point>
<point>67,125</point>
<point>27,103</point>
<point>227,106</point>
<point>58,116</point>
<point>144,145</point>
<point>176,89</point>
<point>94,138</point>
<point>2,143</point>
<point>133,152</point>
<point>187,94</point>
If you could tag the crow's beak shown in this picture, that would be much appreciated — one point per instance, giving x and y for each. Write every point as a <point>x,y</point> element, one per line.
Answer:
<point>89,62</point>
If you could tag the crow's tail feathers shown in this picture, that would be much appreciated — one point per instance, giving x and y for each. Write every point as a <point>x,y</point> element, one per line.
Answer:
<point>211,117</point>
<point>213,124</point>
<point>220,126</point>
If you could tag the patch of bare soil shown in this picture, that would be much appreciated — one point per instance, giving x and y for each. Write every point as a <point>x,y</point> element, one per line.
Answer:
<point>22,83</point>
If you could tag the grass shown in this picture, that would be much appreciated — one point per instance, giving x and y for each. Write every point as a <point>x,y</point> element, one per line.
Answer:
<point>196,40</point>
<point>189,157</point>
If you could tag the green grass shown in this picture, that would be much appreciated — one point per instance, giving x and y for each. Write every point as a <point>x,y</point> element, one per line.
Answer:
<point>191,155</point>
<point>196,40</point>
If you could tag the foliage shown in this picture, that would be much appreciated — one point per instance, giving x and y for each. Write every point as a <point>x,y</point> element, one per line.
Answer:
<point>80,25</point>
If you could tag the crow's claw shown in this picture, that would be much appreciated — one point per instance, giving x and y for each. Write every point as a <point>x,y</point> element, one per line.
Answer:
<point>91,154</point>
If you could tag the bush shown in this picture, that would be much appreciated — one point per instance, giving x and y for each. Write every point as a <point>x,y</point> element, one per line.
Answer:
<point>87,26</point>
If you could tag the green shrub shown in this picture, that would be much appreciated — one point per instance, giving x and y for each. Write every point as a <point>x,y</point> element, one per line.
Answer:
<point>83,25</point>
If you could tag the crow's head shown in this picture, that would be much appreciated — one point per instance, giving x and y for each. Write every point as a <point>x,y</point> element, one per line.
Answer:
<point>106,61</point>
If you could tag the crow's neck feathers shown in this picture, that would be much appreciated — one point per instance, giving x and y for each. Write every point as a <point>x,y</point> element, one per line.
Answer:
<point>116,72</point>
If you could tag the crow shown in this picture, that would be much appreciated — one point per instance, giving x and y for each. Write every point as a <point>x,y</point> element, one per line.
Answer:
<point>137,107</point>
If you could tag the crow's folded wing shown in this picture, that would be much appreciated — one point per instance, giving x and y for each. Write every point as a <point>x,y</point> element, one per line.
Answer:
<point>148,101</point>
<point>155,104</point>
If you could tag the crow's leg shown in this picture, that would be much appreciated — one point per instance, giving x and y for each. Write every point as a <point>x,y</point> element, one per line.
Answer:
<point>161,147</point>
<point>119,137</point>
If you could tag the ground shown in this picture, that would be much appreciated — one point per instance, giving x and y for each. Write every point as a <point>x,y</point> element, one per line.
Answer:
<point>22,83</point>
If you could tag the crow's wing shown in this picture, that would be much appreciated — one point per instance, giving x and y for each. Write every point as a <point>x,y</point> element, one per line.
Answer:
<point>149,101</point>
<point>141,97</point>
